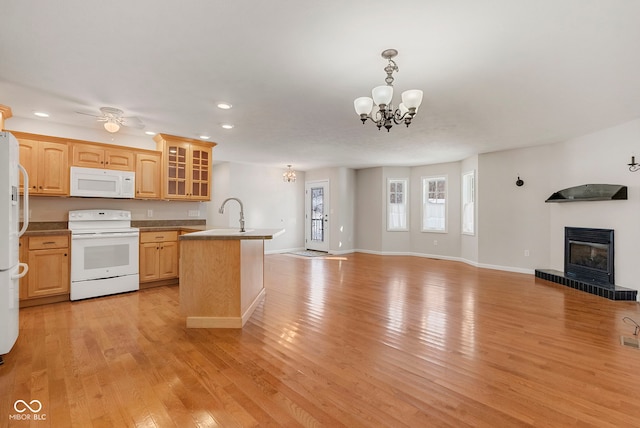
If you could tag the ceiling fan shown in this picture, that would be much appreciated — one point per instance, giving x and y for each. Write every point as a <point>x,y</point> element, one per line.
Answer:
<point>113,119</point>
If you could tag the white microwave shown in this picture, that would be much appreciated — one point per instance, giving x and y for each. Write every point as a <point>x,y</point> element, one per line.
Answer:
<point>102,183</point>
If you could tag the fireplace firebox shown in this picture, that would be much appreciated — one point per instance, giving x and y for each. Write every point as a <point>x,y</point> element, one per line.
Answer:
<point>588,255</point>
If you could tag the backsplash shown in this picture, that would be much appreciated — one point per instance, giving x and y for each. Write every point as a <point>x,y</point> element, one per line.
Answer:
<point>56,209</point>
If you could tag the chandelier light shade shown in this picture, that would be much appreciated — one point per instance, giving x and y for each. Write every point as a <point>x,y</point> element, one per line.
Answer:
<point>289,175</point>
<point>379,108</point>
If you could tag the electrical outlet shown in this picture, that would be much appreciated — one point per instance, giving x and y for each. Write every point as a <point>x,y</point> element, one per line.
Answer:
<point>194,213</point>
<point>435,242</point>
<point>526,253</point>
<point>149,213</point>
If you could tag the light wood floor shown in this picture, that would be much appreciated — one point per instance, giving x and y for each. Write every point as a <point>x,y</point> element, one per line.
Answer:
<point>358,340</point>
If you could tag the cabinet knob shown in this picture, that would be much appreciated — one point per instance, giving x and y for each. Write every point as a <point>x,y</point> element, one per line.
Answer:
<point>65,254</point>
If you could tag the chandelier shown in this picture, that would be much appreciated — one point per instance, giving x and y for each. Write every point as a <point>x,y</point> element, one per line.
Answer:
<point>383,114</point>
<point>289,175</point>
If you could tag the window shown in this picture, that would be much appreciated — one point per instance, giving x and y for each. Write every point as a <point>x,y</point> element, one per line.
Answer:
<point>468,203</point>
<point>397,204</point>
<point>434,204</point>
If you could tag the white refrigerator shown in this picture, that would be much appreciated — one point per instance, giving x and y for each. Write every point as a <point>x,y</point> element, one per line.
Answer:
<point>11,270</point>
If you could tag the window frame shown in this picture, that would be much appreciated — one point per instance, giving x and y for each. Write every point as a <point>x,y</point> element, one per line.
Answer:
<point>425,190</point>
<point>405,194</point>
<point>468,192</point>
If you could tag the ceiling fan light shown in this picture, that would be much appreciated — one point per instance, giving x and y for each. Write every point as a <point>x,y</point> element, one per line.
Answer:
<point>382,94</point>
<point>412,98</point>
<point>363,105</point>
<point>111,126</point>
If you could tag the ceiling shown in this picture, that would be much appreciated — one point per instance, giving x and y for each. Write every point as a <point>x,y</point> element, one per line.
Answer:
<point>496,74</point>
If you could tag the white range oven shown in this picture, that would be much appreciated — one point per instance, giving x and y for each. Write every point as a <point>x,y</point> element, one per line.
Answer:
<point>104,253</point>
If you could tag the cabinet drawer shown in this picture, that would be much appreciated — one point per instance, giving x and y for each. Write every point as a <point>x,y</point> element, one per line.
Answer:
<point>167,235</point>
<point>47,242</point>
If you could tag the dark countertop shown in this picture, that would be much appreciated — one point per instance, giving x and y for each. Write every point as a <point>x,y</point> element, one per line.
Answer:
<point>45,228</point>
<point>231,233</point>
<point>47,232</point>
<point>162,228</point>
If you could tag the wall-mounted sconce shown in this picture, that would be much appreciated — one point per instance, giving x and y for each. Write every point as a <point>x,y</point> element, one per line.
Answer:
<point>519,182</point>
<point>633,166</point>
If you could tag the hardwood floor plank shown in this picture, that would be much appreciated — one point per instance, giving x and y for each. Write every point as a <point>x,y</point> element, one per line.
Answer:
<point>355,341</point>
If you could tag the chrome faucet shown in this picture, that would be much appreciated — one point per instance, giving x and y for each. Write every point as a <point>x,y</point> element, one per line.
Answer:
<point>221,211</point>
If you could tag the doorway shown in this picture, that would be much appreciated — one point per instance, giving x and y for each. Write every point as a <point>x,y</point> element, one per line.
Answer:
<point>316,218</point>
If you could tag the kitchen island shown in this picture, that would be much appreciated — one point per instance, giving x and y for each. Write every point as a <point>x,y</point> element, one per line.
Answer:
<point>222,276</point>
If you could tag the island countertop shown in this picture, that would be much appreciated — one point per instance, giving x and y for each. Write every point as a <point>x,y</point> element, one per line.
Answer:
<point>230,233</point>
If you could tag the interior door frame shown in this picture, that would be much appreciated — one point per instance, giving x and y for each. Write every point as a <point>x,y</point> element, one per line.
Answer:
<point>316,245</point>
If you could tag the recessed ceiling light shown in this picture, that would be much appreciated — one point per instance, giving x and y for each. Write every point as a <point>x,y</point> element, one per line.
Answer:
<point>149,132</point>
<point>41,114</point>
<point>205,137</point>
<point>224,106</point>
<point>227,126</point>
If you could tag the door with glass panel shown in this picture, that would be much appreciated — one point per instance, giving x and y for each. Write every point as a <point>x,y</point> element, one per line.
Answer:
<point>317,215</point>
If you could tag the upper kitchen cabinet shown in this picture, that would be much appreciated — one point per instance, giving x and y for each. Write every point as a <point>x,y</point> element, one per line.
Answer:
<point>186,168</point>
<point>46,160</point>
<point>148,173</point>
<point>101,156</point>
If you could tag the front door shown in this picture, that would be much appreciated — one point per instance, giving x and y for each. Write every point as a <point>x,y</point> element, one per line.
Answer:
<point>317,215</point>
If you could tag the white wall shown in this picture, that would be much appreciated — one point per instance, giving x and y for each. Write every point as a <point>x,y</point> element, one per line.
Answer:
<point>600,157</point>
<point>342,194</point>
<point>469,244</point>
<point>269,202</point>
<point>395,241</point>
<point>372,234</point>
<point>513,219</point>
<point>445,245</point>
<point>369,209</point>
<point>51,208</point>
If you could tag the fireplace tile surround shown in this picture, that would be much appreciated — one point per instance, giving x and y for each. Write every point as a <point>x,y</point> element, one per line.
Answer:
<point>615,293</point>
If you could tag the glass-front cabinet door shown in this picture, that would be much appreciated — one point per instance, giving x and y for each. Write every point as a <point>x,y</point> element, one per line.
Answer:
<point>176,182</point>
<point>187,167</point>
<point>200,172</point>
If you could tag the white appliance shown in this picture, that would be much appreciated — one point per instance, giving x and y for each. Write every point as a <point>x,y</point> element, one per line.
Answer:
<point>11,270</point>
<point>102,183</point>
<point>104,253</point>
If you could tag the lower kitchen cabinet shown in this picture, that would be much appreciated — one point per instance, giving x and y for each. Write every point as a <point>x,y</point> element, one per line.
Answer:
<point>158,256</point>
<point>48,278</point>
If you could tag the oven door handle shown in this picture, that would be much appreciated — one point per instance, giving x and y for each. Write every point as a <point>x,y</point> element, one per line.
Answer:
<point>104,235</point>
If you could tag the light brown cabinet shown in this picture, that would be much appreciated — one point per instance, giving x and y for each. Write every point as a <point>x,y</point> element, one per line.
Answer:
<point>148,175</point>
<point>48,258</point>
<point>47,163</point>
<point>186,169</point>
<point>98,156</point>
<point>158,256</point>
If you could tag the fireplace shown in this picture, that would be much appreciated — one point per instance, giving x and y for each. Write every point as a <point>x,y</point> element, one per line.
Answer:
<point>588,255</point>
